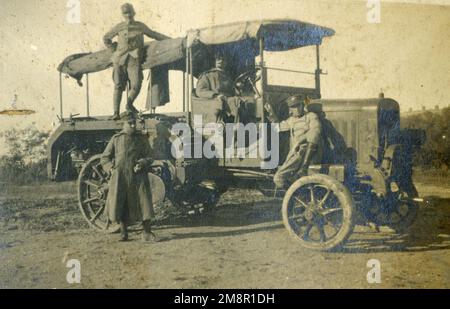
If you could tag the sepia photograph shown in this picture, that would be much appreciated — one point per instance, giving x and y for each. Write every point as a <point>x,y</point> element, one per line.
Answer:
<point>193,145</point>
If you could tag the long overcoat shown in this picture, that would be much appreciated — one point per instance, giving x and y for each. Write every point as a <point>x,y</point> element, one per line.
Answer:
<point>129,197</point>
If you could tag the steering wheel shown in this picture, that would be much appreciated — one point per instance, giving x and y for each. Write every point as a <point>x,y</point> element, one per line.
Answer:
<point>250,76</point>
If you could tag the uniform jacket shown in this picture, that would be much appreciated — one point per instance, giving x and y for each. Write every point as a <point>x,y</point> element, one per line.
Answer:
<point>129,196</point>
<point>305,129</point>
<point>214,82</point>
<point>130,40</point>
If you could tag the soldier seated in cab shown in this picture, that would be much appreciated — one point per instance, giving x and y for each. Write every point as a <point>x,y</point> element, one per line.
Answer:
<point>217,84</point>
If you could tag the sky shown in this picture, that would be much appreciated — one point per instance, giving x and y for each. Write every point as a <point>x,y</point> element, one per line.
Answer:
<point>405,55</point>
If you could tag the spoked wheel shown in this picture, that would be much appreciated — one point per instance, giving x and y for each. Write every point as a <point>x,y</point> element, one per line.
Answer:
<point>318,211</point>
<point>92,193</point>
<point>398,210</point>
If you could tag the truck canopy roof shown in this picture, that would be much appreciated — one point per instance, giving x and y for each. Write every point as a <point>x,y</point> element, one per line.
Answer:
<point>278,34</point>
<point>239,40</point>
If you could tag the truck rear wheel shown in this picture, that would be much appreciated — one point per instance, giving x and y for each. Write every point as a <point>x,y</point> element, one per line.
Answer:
<point>318,211</point>
<point>92,192</point>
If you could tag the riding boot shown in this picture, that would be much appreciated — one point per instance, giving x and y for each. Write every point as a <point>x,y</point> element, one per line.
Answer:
<point>148,235</point>
<point>123,231</point>
<point>117,97</point>
<point>131,108</point>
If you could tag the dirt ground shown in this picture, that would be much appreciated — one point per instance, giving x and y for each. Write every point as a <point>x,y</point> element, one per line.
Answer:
<point>242,245</point>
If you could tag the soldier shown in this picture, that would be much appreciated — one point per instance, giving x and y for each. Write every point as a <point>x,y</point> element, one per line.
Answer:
<point>216,83</point>
<point>305,142</point>
<point>128,158</point>
<point>128,56</point>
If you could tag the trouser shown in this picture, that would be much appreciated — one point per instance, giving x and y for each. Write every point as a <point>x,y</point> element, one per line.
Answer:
<point>130,71</point>
<point>233,110</point>
<point>295,166</point>
<point>290,167</point>
<point>146,224</point>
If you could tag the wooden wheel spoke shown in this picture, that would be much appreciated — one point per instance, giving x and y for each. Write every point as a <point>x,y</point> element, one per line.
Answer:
<point>301,202</point>
<point>329,211</point>
<point>92,183</point>
<point>325,197</point>
<point>92,199</point>
<point>98,213</point>
<point>311,190</point>
<point>97,171</point>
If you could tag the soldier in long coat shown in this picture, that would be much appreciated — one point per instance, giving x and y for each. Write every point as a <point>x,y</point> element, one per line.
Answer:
<point>128,157</point>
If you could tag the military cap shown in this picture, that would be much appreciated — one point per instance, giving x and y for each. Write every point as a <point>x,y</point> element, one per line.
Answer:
<point>128,7</point>
<point>295,100</point>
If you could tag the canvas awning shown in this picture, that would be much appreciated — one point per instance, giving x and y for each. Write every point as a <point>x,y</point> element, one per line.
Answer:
<point>278,34</point>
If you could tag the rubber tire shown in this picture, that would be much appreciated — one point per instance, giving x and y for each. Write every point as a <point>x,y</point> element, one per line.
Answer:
<point>346,200</point>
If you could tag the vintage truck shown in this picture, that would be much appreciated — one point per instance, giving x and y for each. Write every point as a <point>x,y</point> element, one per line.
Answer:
<point>365,175</point>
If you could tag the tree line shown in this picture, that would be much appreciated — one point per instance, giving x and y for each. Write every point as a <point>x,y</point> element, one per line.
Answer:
<point>435,152</point>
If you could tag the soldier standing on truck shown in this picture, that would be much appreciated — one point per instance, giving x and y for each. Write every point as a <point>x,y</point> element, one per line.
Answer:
<point>128,157</point>
<point>305,142</point>
<point>128,56</point>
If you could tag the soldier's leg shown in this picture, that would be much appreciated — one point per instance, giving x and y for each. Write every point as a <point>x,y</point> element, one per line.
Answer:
<point>232,108</point>
<point>148,235</point>
<point>135,77</point>
<point>288,171</point>
<point>309,151</point>
<point>123,222</point>
<point>120,81</point>
<point>123,231</point>
<point>147,211</point>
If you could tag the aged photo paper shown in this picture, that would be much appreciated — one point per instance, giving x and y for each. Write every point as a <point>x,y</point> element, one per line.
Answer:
<point>179,144</point>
